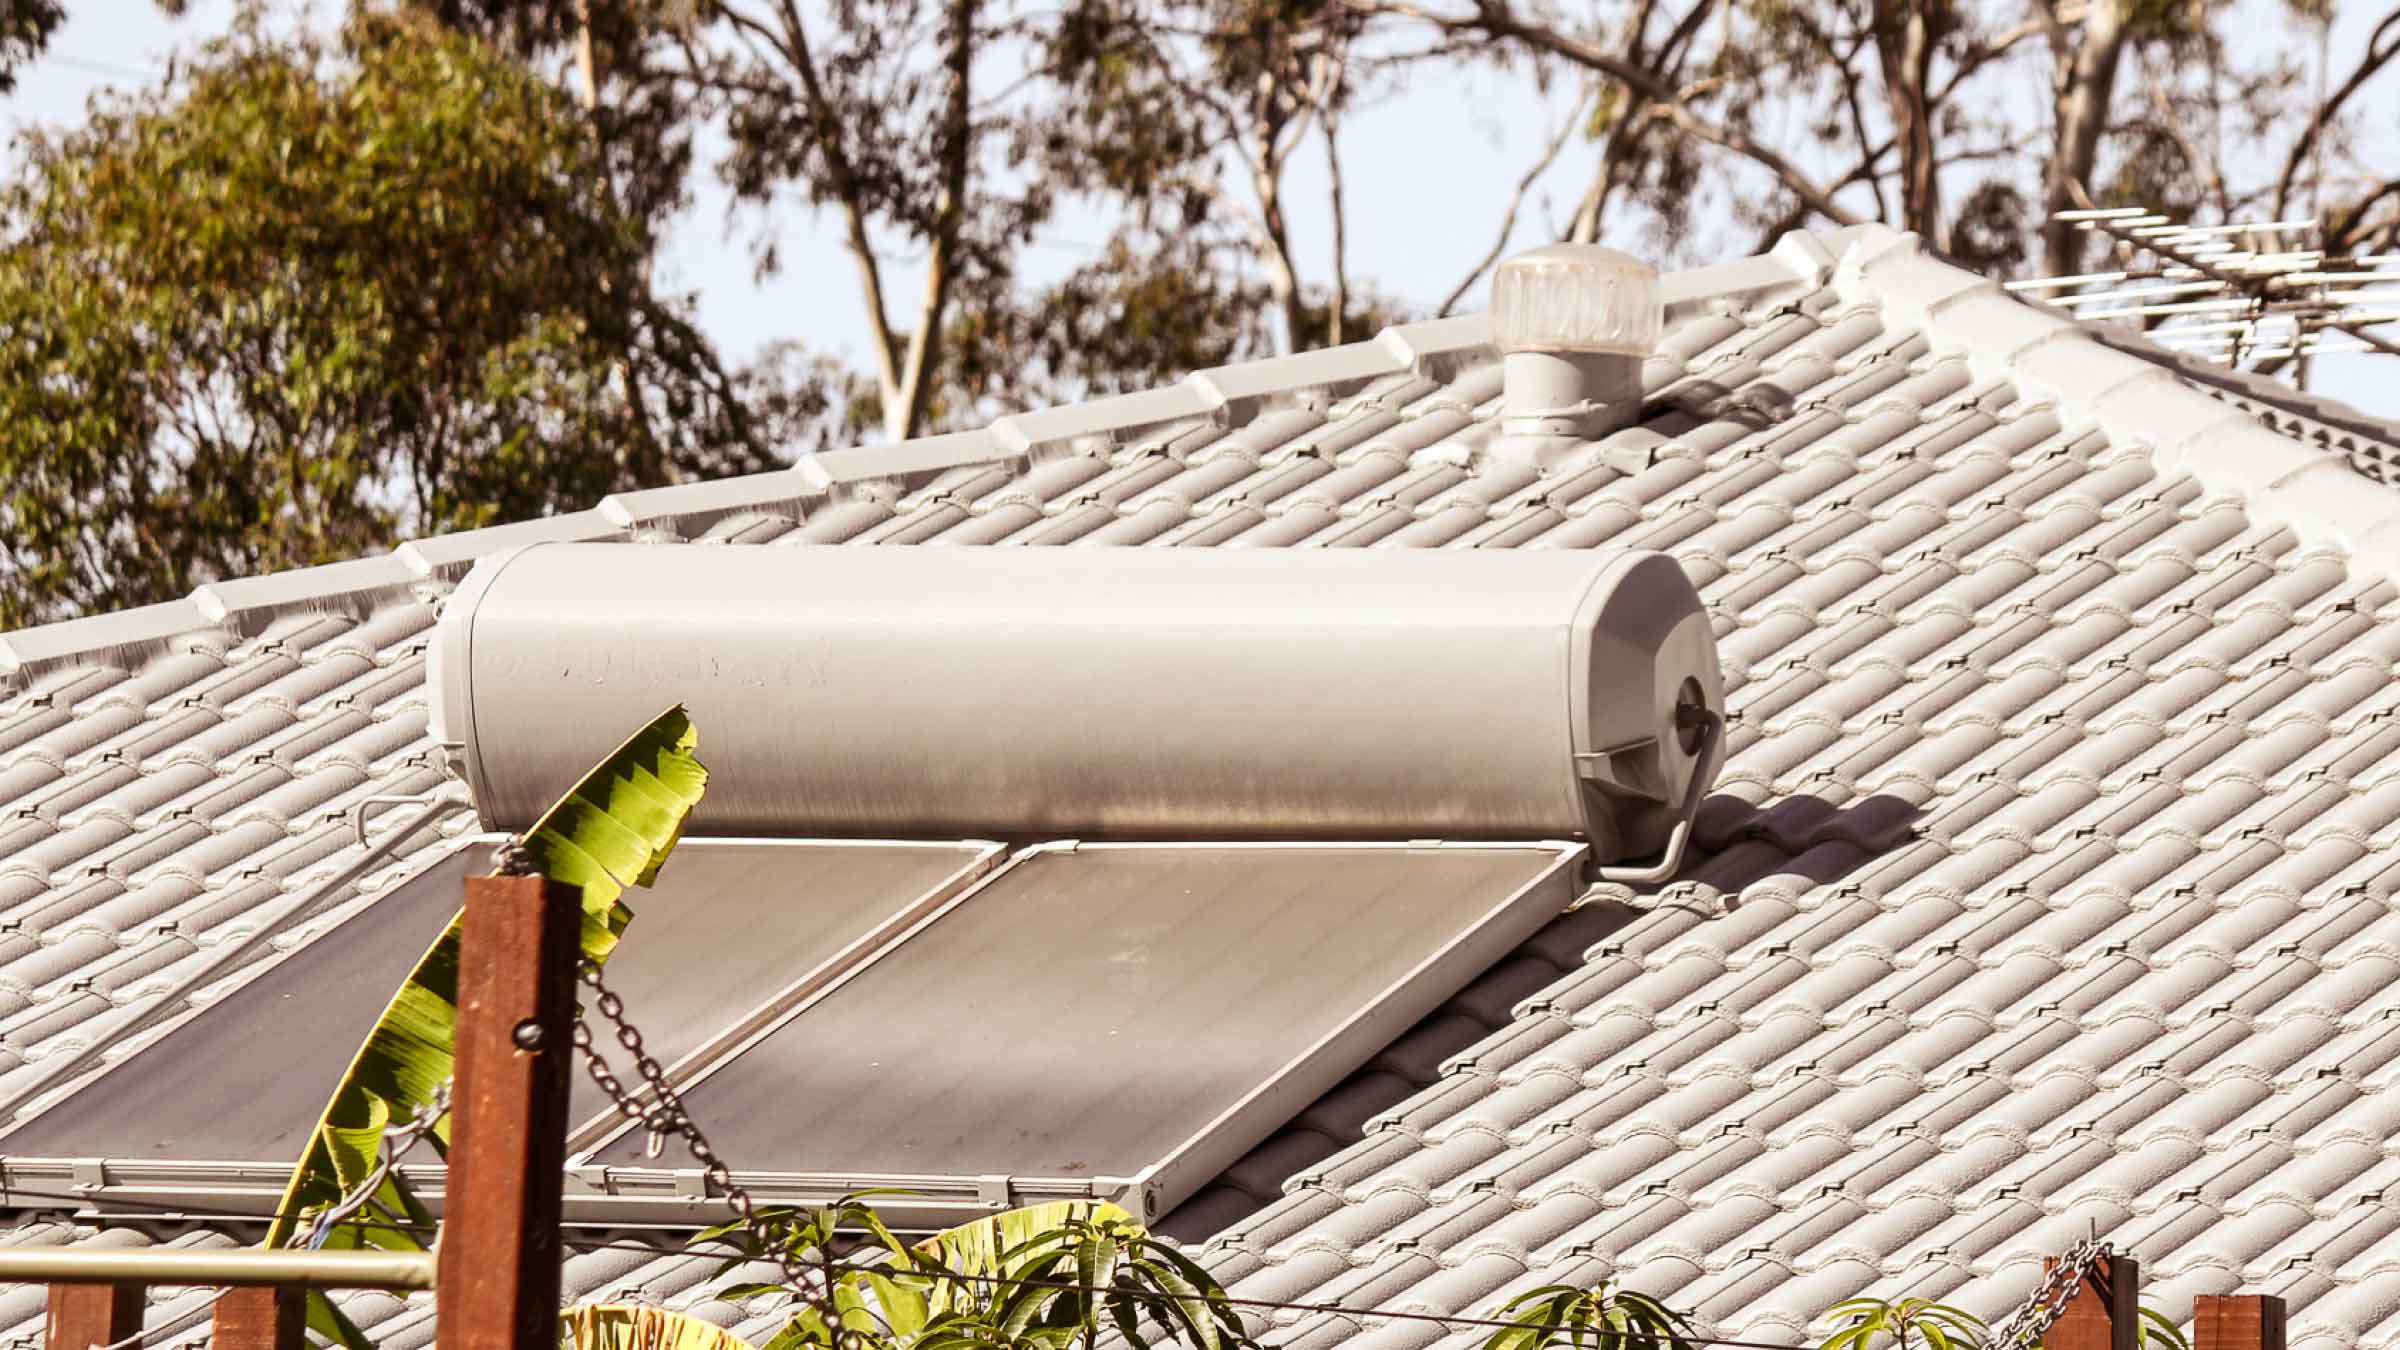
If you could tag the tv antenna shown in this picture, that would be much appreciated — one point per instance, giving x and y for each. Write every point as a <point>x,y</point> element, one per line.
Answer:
<point>2250,296</point>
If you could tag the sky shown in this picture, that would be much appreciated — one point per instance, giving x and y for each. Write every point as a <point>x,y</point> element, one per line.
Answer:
<point>1405,242</point>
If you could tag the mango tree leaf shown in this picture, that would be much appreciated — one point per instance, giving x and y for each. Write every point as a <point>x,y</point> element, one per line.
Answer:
<point>614,827</point>
<point>1599,1318</point>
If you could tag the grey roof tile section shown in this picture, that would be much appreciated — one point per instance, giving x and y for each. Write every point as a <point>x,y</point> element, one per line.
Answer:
<point>2049,882</point>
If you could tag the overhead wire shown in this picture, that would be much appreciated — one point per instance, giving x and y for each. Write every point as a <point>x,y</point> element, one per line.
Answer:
<point>1287,1305</point>
<point>841,1267</point>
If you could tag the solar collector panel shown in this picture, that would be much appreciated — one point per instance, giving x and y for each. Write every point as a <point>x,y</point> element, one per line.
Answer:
<point>248,1075</point>
<point>735,929</point>
<point>1132,1015</point>
<point>730,930</point>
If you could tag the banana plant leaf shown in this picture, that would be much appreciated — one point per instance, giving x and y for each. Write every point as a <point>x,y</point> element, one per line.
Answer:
<point>611,1326</point>
<point>986,1247</point>
<point>613,829</point>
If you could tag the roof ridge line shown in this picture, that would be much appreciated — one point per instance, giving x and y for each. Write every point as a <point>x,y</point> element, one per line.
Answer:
<point>2089,383</point>
<point>1219,397</point>
<point>2334,415</point>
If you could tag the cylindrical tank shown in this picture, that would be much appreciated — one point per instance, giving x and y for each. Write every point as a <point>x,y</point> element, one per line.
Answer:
<point>1088,693</point>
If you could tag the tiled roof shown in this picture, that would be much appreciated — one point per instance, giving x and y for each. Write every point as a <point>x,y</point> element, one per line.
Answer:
<point>2046,886</point>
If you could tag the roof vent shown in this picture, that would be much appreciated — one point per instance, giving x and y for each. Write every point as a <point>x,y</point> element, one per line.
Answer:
<point>1018,693</point>
<point>1573,322</point>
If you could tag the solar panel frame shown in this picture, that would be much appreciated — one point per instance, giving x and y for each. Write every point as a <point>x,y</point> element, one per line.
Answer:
<point>666,1193</point>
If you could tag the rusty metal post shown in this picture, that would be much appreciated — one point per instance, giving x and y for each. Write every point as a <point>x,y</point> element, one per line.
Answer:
<point>84,1314</point>
<point>263,1318</point>
<point>2104,1314</point>
<point>499,1274</point>
<point>2237,1322</point>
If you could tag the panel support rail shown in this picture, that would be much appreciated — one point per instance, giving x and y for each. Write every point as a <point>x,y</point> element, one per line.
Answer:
<point>240,1267</point>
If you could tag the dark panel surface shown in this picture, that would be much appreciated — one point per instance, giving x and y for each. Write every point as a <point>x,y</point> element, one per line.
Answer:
<point>727,928</point>
<point>1088,1012</point>
<point>731,925</point>
<point>245,1078</point>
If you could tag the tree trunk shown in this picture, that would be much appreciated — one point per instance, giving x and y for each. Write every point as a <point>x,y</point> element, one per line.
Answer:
<point>1904,46</point>
<point>904,416</point>
<point>2086,85</point>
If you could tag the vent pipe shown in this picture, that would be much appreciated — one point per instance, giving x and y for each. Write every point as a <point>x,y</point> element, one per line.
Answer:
<point>1573,323</point>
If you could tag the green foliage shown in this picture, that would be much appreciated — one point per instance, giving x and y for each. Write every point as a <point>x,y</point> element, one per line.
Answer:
<point>1143,312</point>
<point>1599,1318</point>
<point>25,28</point>
<point>308,299</point>
<point>1910,1323</point>
<point>612,830</point>
<point>1045,1277</point>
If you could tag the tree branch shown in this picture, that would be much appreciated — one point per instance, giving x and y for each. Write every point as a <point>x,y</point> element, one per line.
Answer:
<point>901,420</point>
<point>1331,118</point>
<point>792,45</point>
<point>1516,200</point>
<point>1494,19</point>
<point>2087,78</point>
<point>2380,53</point>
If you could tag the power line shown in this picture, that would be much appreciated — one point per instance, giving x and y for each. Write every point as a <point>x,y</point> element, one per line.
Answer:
<point>1459,1320</point>
<point>92,67</point>
<point>1236,1300</point>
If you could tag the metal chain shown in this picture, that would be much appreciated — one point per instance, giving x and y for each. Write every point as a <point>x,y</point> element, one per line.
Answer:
<point>2034,1317</point>
<point>396,1142</point>
<point>664,1116</point>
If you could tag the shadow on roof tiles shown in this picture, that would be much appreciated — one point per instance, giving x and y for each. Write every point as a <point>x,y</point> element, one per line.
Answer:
<point>1736,844</point>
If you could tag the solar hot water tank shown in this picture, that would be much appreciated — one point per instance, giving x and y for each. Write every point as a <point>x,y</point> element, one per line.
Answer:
<point>1097,693</point>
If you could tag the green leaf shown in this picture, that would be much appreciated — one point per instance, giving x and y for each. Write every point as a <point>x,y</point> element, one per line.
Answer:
<point>409,1052</point>
<point>905,1309</point>
<point>1516,1338</point>
<point>330,1322</point>
<point>2157,1331</point>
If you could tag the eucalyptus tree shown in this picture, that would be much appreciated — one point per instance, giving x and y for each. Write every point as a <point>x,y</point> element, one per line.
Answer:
<point>890,116</point>
<point>25,29</point>
<point>1769,115</point>
<point>309,298</point>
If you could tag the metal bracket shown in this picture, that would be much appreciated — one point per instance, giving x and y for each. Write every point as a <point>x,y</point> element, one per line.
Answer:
<point>1704,776</point>
<point>994,1191</point>
<point>364,809</point>
<point>1601,767</point>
